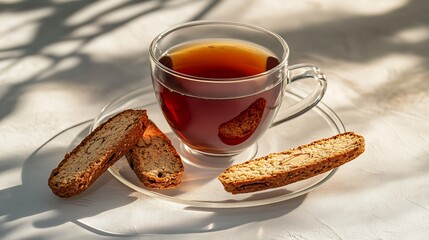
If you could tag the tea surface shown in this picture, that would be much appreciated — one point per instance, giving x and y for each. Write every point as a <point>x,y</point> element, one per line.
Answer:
<point>219,59</point>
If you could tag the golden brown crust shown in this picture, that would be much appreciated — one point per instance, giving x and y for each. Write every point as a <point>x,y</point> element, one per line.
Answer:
<point>96,153</point>
<point>303,162</point>
<point>155,161</point>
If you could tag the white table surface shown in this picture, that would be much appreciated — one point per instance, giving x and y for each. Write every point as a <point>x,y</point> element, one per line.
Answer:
<point>62,61</point>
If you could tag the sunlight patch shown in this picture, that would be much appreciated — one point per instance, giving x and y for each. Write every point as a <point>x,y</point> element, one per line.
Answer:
<point>412,35</point>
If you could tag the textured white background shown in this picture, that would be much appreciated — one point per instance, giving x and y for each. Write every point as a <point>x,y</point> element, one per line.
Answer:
<point>62,61</point>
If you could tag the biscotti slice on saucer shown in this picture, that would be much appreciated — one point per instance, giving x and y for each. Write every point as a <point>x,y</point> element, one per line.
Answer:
<point>97,152</point>
<point>279,169</point>
<point>155,161</point>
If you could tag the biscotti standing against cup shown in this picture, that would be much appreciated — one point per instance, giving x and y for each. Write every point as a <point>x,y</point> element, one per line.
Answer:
<point>155,161</point>
<point>97,152</point>
<point>303,162</point>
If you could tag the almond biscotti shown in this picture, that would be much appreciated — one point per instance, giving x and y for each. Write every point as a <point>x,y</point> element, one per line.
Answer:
<point>279,169</point>
<point>155,161</point>
<point>97,152</point>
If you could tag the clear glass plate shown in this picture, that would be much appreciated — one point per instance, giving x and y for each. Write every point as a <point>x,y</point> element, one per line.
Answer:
<point>200,186</point>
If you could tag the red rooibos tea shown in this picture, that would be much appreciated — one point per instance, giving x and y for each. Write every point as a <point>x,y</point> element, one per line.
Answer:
<point>217,120</point>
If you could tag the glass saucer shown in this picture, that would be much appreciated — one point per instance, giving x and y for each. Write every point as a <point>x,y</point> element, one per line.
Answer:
<point>200,186</point>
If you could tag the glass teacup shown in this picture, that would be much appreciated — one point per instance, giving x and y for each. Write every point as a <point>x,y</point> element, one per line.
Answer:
<point>221,84</point>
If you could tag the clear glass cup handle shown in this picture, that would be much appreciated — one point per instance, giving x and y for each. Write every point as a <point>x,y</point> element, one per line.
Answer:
<point>299,72</point>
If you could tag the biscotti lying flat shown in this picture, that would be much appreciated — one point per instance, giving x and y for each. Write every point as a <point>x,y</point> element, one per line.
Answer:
<point>279,169</point>
<point>155,160</point>
<point>97,152</point>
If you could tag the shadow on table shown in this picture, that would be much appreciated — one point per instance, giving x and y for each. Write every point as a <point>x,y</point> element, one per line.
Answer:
<point>56,28</point>
<point>34,197</point>
<point>367,42</point>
